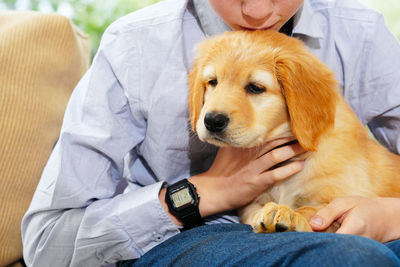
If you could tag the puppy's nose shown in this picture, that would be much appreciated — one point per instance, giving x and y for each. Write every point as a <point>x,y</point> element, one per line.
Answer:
<point>216,122</point>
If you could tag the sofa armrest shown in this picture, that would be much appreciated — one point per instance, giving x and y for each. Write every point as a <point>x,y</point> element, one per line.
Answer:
<point>42,57</point>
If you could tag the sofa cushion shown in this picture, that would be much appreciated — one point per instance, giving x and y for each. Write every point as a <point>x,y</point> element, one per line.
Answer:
<point>42,57</point>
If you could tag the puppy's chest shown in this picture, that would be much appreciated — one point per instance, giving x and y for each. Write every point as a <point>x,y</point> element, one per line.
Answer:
<point>289,192</point>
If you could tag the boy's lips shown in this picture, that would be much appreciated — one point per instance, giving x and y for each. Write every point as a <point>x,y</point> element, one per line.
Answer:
<point>255,29</point>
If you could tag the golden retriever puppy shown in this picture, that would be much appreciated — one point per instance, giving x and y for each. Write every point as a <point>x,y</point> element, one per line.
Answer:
<point>248,88</point>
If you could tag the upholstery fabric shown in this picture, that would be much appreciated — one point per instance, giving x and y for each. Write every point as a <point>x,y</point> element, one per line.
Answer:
<point>42,57</point>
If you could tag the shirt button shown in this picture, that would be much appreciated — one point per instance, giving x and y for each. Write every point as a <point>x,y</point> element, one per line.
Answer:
<point>158,237</point>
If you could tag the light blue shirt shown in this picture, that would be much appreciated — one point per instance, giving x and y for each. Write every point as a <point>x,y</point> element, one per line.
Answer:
<point>127,120</point>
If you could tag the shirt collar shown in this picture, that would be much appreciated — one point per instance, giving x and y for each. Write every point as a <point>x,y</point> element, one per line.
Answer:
<point>210,22</point>
<point>305,21</point>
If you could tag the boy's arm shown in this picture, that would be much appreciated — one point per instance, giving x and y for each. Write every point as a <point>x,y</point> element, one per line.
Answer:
<point>74,218</point>
<point>380,96</point>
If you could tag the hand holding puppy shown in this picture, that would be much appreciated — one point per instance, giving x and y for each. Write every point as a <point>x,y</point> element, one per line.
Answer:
<point>239,175</point>
<point>376,218</point>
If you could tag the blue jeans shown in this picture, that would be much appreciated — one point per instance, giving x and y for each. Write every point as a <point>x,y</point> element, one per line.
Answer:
<point>237,245</point>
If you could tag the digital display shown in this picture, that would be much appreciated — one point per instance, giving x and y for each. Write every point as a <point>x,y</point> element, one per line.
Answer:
<point>181,197</point>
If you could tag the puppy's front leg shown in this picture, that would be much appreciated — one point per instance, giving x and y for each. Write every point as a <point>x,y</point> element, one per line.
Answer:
<point>274,218</point>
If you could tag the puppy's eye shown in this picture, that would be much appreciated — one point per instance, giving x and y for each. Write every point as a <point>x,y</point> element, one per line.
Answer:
<point>213,82</point>
<point>254,88</point>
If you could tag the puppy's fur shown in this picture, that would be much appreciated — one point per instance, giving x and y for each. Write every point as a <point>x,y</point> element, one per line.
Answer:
<point>265,85</point>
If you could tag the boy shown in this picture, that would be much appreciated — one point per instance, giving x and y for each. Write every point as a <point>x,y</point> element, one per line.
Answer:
<point>128,118</point>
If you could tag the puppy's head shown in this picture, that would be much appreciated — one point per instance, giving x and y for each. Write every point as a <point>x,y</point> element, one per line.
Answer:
<point>247,88</point>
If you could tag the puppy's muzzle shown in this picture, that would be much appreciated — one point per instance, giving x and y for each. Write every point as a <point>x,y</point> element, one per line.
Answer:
<point>216,122</point>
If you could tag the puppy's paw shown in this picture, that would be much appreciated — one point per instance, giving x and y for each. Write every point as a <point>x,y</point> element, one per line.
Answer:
<point>279,218</point>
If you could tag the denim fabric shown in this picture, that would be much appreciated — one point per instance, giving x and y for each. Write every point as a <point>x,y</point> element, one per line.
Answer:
<point>237,245</point>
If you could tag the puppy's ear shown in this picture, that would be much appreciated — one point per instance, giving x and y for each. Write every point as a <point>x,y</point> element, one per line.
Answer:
<point>196,95</point>
<point>309,88</point>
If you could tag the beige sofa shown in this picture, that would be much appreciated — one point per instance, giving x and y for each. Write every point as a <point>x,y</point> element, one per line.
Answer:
<point>42,57</point>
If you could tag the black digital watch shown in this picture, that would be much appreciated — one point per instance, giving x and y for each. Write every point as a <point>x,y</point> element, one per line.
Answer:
<point>183,202</point>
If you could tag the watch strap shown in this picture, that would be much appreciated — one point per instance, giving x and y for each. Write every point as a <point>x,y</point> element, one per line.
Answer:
<point>192,219</point>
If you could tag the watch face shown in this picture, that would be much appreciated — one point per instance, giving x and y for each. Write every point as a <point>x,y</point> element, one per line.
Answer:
<point>181,198</point>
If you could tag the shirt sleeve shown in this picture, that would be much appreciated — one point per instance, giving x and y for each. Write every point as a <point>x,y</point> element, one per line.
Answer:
<point>380,86</point>
<point>75,219</point>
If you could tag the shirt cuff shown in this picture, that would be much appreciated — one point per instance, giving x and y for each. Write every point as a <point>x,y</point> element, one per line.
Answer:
<point>143,217</point>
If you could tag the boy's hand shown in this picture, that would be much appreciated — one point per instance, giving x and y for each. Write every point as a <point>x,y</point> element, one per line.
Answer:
<point>376,218</point>
<point>237,175</point>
